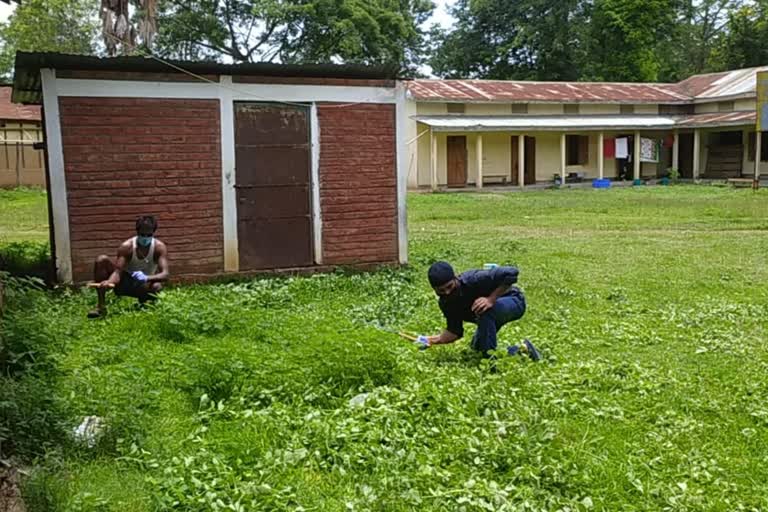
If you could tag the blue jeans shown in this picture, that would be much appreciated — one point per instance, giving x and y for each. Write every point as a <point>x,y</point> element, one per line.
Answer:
<point>506,309</point>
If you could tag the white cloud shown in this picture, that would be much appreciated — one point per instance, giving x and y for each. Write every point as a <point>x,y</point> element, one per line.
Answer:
<point>441,16</point>
<point>5,11</point>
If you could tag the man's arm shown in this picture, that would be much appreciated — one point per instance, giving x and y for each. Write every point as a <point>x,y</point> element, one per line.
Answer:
<point>505,277</point>
<point>162,264</point>
<point>123,255</point>
<point>453,331</point>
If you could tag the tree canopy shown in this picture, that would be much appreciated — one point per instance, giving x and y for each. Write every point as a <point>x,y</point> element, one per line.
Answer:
<point>613,40</point>
<point>67,26</point>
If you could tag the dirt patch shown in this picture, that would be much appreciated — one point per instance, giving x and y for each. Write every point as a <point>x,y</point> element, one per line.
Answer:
<point>10,491</point>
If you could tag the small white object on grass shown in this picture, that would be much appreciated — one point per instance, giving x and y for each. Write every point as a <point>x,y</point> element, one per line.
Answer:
<point>359,400</point>
<point>89,430</point>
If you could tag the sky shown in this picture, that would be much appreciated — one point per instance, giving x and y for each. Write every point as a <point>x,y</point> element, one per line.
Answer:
<point>5,10</point>
<point>441,15</point>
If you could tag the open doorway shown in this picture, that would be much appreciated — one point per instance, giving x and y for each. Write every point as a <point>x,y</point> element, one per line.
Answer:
<point>529,166</point>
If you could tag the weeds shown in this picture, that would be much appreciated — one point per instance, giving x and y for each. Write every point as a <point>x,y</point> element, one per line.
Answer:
<point>281,394</point>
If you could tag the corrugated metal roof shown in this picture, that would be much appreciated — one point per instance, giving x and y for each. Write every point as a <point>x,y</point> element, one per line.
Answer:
<point>718,119</point>
<point>724,85</point>
<point>582,123</point>
<point>545,92</point>
<point>709,87</point>
<point>26,83</point>
<point>12,112</point>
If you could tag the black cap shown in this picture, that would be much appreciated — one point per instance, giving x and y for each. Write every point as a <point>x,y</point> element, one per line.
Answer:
<point>440,273</point>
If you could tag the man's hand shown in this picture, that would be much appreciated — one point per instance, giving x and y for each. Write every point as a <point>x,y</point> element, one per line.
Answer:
<point>140,276</point>
<point>482,304</point>
<point>106,284</point>
<point>423,342</point>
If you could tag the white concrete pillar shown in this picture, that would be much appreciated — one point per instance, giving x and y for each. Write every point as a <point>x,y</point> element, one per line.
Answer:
<point>432,159</point>
<point>676,151</point>
<point>521,160</point>
<point>562,159</point>
<point>600,155</point>
<point>479,155</point>
<point>636,158</point>
<point>696,153</point>
<point>758,143</point>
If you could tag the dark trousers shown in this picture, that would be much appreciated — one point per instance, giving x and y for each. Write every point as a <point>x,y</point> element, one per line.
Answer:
<point>507,309</point>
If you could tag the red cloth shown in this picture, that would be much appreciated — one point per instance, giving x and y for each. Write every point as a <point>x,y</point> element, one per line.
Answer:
<point>669,141</point>
<point>609,148</point>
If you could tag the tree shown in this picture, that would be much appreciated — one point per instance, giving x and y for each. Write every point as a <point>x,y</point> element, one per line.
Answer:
<point>625,37</point>
<point>358,31</point>
<point>65,26</point>
<point>691,47</point>
<point>526,39</point>
<point>745,42</point>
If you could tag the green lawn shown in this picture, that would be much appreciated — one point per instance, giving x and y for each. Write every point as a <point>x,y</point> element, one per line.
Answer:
<point>23,215</point>
<point>649,304</point>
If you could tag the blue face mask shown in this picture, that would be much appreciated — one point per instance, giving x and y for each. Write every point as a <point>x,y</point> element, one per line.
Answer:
<point>144,241</point>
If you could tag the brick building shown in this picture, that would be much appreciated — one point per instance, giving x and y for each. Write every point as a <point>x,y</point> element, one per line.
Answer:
<point>248,168</point>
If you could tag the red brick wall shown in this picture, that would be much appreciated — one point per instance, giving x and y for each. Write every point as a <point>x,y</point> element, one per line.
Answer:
<point>358,183</point>
<point>128,157</point>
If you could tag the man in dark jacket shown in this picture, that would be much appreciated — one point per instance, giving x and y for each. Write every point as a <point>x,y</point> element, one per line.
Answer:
<point>487,298</point>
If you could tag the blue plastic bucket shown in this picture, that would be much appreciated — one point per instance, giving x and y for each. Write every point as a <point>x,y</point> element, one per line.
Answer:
<point>601,183</point>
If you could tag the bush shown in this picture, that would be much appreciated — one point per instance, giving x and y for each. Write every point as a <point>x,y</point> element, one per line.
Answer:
<point>26,259</point>
<point>29,415</point>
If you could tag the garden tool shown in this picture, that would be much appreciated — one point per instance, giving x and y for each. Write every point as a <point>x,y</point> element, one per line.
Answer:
<point>413,338</point>
<point>97,285</point>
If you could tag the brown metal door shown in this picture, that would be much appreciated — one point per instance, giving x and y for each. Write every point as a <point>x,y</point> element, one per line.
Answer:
<point>457,161</point>
<point>530,160</point>
<point>515,166</point>
<point>272,160</point>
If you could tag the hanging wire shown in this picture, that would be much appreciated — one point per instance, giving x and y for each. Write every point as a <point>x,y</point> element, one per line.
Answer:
<point>239,91</point>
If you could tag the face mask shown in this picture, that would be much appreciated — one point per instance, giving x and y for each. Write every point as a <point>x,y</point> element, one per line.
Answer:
<point>144,241</point>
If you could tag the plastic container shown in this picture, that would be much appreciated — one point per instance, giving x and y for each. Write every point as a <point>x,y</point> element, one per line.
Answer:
<point>601,183</point>
<point>490,266</point>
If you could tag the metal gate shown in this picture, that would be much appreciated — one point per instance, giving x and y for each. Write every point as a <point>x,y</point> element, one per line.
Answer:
<point>272,161</point>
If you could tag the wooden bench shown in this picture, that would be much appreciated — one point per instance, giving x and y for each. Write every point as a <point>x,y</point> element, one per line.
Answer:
<point>499,180</point>
<point>755,184</point>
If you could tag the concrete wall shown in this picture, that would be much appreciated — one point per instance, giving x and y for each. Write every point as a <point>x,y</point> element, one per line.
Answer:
<point>706,108</point>
<point>545,109</point>
<point>646,109</point>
